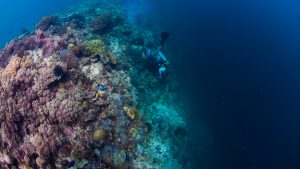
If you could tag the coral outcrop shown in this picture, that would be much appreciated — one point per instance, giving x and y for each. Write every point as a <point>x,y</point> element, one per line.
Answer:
<point>39,39</point>
<point>35,107</point>
<point>58,110</point>
<point>47,22</point>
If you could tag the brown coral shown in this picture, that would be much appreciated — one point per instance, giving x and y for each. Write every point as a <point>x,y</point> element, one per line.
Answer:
<point>79,50</point>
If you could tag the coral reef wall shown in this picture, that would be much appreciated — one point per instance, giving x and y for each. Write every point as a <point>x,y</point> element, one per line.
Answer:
<point>77,93</point>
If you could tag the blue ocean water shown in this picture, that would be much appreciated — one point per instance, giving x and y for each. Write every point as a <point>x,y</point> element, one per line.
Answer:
<point>242,66</point>
<point>239,60</point>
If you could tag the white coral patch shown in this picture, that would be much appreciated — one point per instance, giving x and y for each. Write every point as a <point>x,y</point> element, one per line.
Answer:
<point>36,55</point>
<point>5,158</point>
<point>93,71</point>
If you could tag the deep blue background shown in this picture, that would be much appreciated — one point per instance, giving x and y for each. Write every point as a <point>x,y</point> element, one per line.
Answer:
<point>241,62</point>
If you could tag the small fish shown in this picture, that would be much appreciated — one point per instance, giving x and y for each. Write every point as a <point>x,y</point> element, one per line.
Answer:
<point>101,87</point>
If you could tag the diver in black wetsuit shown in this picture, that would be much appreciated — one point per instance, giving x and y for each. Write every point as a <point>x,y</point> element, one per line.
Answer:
<point>157,60</point>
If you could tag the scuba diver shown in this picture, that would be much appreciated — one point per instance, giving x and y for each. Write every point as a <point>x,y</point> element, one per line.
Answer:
<point>157,59</point>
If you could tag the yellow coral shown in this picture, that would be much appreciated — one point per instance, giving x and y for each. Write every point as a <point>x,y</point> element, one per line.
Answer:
<point>12,67</point>
<point>95,47</point>
<point>25,166</point>
<point>103,102</point>
<point>133,131</point>
<point>99,134</point>
<point>101,93</point>
<point>10,72</point>
<point>132,113</point>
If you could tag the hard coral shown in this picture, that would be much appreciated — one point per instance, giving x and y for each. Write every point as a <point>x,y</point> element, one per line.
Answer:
<point>47,22</point>
<point>47,122</point>
<point>95,47</point>
<point>49,44</point>
<point>99,134</point>
<point>41,39</point>
<point>17,47</point>
<point>102,24</point>
<point>76,21</point>
<point>30,111</point>
<point>79,50</point>
<point>71,61</point>
<point>132,113</point>
<point>112,58</point>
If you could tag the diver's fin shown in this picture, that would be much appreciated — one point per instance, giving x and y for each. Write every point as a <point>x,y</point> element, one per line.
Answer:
<point>164,36</point>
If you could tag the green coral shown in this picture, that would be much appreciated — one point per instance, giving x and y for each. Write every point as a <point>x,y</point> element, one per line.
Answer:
<point>95,47</point>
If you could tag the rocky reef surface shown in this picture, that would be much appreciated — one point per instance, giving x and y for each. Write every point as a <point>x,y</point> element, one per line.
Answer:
<point>76,93</point>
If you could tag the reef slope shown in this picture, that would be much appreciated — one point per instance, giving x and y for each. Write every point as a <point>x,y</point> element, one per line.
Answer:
<point>76,93</point>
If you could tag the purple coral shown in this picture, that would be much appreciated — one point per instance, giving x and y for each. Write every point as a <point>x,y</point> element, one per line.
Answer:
<point>41,40</point>
<point>47,22</point>
<point>30,112</point>
<point>49,44</point>
<point>17,47</point>
<point>46,121</point>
